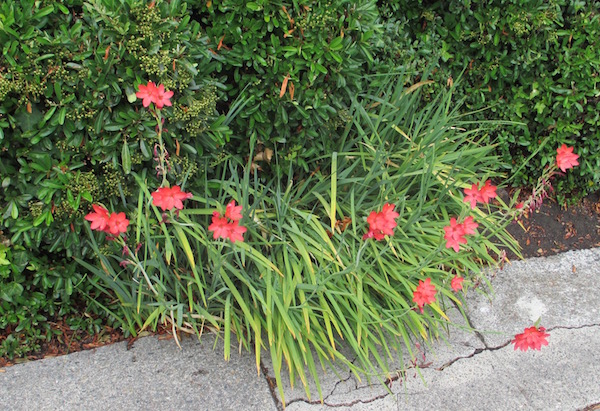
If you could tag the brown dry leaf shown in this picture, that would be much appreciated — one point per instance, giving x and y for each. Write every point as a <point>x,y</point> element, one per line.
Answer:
<point>284,86</point>
<point>265,155</point>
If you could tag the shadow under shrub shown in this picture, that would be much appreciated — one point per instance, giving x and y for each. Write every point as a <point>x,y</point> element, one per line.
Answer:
<point>304,280</point>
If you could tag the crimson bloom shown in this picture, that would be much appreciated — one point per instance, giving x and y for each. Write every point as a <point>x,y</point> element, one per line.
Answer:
<point>151,93</point>
<point>565,158</point>
<point>101,220</point>
<point>424,293</point>
<point>233,212</point>
<point>532,337</point>
<point>219,226</point>
<point>456,283</point>
<point>169,198</point>
<point>98,218</point>
<point>162,98</point>
<point>469,225</point>
<point>147,93</point>
<point>455,233</point>
<point>228,226</point>
<point>382,223</point>
<point>117,223</point>
<point>474,194</point>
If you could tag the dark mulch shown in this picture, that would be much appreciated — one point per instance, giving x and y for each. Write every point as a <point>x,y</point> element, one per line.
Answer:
<point>549,230</point>
<point>553,229</point>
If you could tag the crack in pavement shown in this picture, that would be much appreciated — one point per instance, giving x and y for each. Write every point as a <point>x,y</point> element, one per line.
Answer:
<point>272,386</point>
<point>326,396</point>
<point>402,374</point>
<point>591,407</point>
<point>488,348</point>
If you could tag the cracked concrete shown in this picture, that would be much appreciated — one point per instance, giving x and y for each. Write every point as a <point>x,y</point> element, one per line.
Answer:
<point>465,370</point>
<point>482,370</point>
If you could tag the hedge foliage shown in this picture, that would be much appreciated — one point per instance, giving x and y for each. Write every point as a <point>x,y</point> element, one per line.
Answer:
<point>533,62</point>
<point>281,72</point>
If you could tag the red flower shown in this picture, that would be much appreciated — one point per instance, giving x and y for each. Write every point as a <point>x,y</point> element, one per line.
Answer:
<point>424,293</point>
<point>233,212</point>
<point>487,191</point>
<point>147,93</point>
<point>472,195</point>
<point>117,223</point>
<point>456,283</point>
<point>565,158</point>
<point>153,94</point>
<point>169,198</point>
<point>483,195</point>
<point>532,338</point>
<point>469,225</point>
<point>219,226</point>
<point>455,233</point>
<point>162,97</point>
<point>382,223</point>
<point>98,218</point>
<point>228,226</point>
<point>236,231</point>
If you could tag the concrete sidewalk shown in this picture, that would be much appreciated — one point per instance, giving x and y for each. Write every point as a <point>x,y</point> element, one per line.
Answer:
<point>470,372</point>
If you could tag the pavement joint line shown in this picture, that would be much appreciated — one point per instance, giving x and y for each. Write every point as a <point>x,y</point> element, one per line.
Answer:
<point>345,404</point>
<point>272,386</point>
<point>574,327</point>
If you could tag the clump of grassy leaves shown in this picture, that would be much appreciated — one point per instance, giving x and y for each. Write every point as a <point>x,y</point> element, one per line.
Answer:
<point>304,281</point>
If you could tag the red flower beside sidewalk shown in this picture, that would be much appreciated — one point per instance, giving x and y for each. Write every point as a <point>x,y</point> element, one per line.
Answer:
<point>474,194</point>
<point>532,337</point>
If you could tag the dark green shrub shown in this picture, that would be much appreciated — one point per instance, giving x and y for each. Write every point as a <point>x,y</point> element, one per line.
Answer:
<point>71,131</point>
<point>297,62</point>
<point>533,62</point>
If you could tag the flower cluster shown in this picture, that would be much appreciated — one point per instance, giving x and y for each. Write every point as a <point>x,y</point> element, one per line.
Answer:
<point>424,293</point>
<point>151,93</point>
<point>382,223</point>
<point>455,233</point>
<point>113,223</point>
<point>169,198</point>
<point>228,226</point>
<point>456,283</point>
<point>565,158</point>
<point>474,194</point>
<point>532,337</point>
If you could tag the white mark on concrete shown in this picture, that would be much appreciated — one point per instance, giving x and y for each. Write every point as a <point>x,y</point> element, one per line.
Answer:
<point>532,306</point>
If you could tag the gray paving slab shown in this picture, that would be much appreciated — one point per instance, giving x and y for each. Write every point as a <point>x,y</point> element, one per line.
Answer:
<point>464,371</point>
<point>484,372</point>
<point>153,375</point>
<point>562,376</point>
<point>562,290</point>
